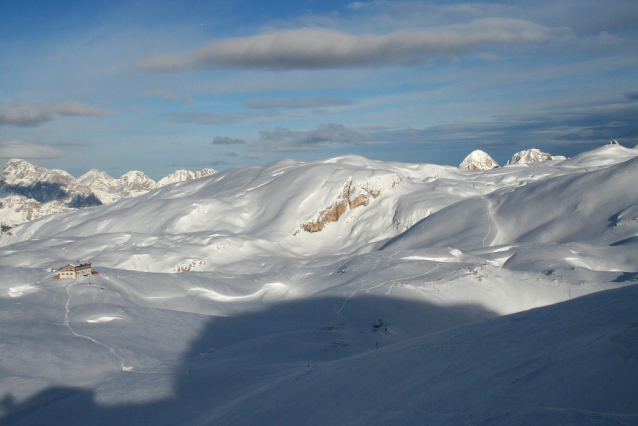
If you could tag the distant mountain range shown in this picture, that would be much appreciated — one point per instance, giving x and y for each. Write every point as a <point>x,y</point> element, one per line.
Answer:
<point>28,192</point>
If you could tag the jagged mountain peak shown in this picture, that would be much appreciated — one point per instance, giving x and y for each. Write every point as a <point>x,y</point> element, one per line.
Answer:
<point>95,174</point>
<point>205,172</point>
<point>184,175</point>
<point>478,161</point>
<point>28,192</point>
<point>178,176</point>
<point>138,181</point>
<point>21,172</point>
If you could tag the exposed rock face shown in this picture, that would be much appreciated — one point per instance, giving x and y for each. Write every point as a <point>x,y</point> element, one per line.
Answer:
<point>351,196</point>
<point>478,161</point>
<point>532,156</point>
<point>28,192</point>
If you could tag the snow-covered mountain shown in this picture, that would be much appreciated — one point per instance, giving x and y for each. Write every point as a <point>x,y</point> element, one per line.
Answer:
<point>340,291</point>
<point>532,156</point>
<point>478,161</point>
<point>28,192</point>
<point>274,211</point>
<point>183,176</point>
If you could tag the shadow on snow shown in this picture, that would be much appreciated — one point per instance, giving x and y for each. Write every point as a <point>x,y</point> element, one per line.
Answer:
<point>234,356</point>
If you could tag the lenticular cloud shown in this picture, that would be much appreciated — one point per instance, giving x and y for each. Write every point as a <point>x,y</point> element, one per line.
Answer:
<point>321,48</point>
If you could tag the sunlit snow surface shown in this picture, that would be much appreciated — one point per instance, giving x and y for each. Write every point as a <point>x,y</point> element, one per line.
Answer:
<point>392,315</point>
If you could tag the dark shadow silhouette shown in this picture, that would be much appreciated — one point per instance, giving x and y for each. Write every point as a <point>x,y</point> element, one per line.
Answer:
<point>630,240</point>
<point>626,277</point>
<point>80,201</point>
<point>44,192</point>
<point>234,356</point>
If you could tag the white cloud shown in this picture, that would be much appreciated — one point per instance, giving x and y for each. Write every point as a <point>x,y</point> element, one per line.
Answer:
<point>606,39</point>
<point>18,149</point>
<point>321,48</point>
<point>25,115</point>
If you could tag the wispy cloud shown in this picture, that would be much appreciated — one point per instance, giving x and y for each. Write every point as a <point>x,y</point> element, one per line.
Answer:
<point>321,48</point>
<point>286,140</point>
<point>367,5</point>
<point>255,156</point>
<point>207,118</point>
<point>197,164</point>
<point>19,149</point>
<point>224,140</point>
<point>73,108</point>
<point>25,115</point>
<point>312,102</point>
<point>586,126</point>
<point>65,143</point>
<point>168,96</point>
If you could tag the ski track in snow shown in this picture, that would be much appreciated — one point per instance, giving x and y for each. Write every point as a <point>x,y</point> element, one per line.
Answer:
<point>394,282</point>
<point>489,222</point>
<point>67,311</point>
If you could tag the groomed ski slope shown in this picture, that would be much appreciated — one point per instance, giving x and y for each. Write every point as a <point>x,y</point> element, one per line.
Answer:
<point>403,311</point>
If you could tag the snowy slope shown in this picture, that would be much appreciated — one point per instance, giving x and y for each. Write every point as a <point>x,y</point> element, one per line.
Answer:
<point>599,206</point>
<point>219,221</point>
<point>243,213</point>
<point>393,311</point>
<point>572,363</point>
<point>305,362</point>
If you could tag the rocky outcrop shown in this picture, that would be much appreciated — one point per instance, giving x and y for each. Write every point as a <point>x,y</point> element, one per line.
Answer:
<point>478,161</point>
<point>352,195</point>
<point>532,156</point>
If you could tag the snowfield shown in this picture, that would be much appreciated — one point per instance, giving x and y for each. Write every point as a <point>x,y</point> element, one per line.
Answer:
<point>344,291</point>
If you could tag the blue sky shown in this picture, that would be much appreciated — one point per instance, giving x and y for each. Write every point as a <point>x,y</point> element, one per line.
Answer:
<point>162,85</point>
